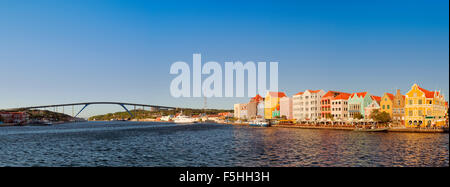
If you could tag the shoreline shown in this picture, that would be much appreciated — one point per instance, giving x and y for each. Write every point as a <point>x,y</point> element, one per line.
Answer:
<point>405,130</point>
<point>299,126</point>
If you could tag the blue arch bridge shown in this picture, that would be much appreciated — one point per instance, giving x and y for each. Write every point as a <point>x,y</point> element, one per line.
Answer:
<point>86,104</point>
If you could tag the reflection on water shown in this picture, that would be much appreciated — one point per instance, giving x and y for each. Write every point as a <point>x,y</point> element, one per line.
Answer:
<point>162,144</point>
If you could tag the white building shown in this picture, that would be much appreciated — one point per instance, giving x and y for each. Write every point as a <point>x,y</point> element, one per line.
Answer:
<point>240,111</point>
<point>306,105</point>
<point>339,106</point>
<point>260,110</point>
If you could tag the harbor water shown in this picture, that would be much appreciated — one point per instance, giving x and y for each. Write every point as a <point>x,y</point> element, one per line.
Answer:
<point>164,144</point>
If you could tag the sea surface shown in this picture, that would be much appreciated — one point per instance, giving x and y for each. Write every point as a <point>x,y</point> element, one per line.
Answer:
<point>164,144</point>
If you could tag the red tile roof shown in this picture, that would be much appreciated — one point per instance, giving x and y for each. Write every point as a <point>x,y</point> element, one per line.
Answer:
<point>313,91</point>
<point>257,98</point>
<point>376,98</point>
<point>391,96</point>
<point>333,94</point>
<point>341,96</point>
<point>428,94</point>
<point>359,94</point>
<point>277,94</point>
<point>299,93</point>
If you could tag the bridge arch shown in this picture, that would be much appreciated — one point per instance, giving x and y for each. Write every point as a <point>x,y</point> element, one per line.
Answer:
<point>86,104</point>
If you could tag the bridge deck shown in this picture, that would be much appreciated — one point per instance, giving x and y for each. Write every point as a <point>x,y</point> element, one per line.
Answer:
<point>92,103</point>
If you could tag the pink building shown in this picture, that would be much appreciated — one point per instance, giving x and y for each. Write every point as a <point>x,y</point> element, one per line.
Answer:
<point>375,105</point>
<point>286,107</point>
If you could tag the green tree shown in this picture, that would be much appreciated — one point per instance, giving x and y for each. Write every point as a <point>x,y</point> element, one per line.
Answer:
<point>381,117</point>
<point>358,116</point>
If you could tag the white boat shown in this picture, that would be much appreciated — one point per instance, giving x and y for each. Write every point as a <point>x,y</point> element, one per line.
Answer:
<point>260,123</point>
<point>183,119</point>
<point>166,118</point>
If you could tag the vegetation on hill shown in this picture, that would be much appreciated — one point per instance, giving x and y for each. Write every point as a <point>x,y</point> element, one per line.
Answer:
<point>48,115</point>
<point>45,115</point>
<point>145,114</point>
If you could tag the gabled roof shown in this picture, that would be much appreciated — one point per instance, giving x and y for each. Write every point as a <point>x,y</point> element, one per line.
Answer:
<point>300,93</point>
<point>376,98</point>
<point>391,96</point>
<point>359,94</point>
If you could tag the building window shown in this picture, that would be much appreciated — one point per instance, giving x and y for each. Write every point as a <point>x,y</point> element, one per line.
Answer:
<point>410,113</point>
<point>383,107</point>
<point>410,102</point>
<point>388,107</point>
<point>420,101</point>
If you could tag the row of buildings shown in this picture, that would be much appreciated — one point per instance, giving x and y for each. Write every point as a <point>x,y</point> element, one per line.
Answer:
<point>418,107</point>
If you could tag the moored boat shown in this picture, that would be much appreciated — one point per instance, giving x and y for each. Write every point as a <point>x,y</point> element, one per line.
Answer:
<point>260,123</point>
<point>183,119</point>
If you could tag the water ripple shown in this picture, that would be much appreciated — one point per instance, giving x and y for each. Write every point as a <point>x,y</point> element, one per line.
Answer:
<point>162,144</point>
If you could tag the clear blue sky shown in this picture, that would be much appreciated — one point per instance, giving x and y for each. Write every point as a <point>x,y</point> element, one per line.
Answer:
<point>91,50</point>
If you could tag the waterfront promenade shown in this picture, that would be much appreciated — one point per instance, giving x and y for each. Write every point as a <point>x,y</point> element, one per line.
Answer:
<point>352,128</point>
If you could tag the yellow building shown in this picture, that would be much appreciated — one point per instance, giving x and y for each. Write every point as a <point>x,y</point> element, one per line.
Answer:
<point>424,108</point>
<point>386,103</point>
<point>272,104</point>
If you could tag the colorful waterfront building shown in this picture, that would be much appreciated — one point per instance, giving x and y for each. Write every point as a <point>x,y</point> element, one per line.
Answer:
<point>252,107</point>
<point>240,111</point>
<point>272,103</point>
<point>339,106</point>
<point>357,103</point>
<point>286,107</point>
<point>394,105</point>
<point>398,107</point>
<point>306,105</point>
<point>325,103</point>
<point>424,108</point>
<point>386,104</point>
<point>369,109</point>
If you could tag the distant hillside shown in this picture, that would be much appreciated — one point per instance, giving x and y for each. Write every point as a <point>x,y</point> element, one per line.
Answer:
<point>145,114</point>
<point>45,114</point>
